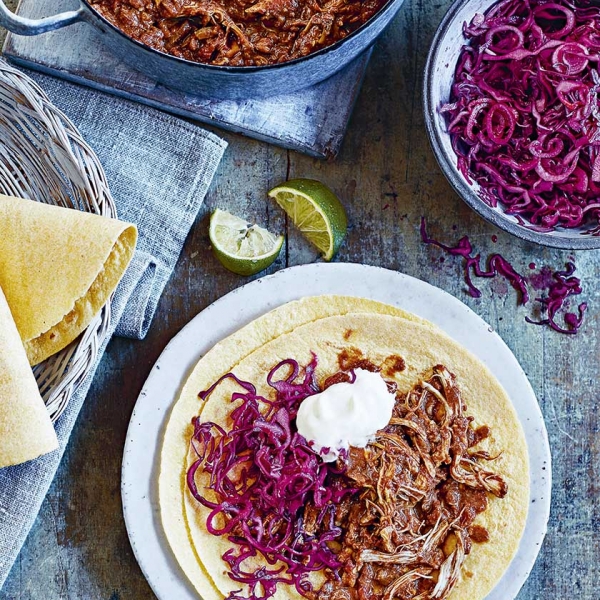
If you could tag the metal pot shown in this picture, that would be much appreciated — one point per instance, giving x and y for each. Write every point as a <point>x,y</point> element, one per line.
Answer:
<point>210,80</point>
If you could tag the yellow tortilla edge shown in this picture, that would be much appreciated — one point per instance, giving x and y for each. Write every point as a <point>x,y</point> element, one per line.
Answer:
<point>61,334</point>
<point>26,431</point>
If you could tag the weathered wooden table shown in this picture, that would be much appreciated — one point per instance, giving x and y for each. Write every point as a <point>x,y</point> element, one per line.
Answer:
<point>387,177</point>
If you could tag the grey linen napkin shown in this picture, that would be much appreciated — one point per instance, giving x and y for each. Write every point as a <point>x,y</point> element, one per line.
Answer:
<point>159,169</point>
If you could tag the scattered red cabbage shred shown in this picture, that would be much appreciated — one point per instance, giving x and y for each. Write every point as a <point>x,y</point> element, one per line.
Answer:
<point>524,115</point>
<point>561,286</point>
<point>565,285</point>
<point>497,264</point>
<point>262,474</point>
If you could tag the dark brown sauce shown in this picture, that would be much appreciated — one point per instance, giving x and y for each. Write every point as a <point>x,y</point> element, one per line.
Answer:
<point>478,435</point>
<point>339,377</point>
<point>353,358</point>
<point>479,534</point>
<point>238,32</point>
<point>393,364</point>
<point>412,481</point>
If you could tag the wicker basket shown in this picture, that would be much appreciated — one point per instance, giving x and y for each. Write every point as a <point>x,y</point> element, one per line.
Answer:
<point>43,157</point>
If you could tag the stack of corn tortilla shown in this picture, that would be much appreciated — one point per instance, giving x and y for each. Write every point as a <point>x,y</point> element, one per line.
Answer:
<point>58,267</point>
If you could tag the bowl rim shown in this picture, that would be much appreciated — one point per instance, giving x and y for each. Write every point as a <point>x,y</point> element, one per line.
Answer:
<point>448,166</point>
<point>390,6</point>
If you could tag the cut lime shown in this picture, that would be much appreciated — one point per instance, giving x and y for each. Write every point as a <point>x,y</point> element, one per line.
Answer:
<point>241,247</point>
<point>315,210</point>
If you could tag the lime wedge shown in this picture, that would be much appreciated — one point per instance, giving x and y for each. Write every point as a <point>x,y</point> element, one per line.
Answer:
<point>241,247</point>
<point>315,210</point>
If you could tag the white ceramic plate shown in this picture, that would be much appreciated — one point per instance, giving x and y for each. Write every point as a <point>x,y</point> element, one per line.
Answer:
<point>144,436</point>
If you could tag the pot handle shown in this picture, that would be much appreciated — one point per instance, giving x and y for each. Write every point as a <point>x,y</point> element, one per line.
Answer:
<point>23,26</point>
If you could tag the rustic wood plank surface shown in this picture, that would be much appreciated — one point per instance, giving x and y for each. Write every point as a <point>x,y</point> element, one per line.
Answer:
<point>387,177</point>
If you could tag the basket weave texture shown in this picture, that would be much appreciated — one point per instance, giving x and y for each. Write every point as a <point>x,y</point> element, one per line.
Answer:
<point>43,157</point>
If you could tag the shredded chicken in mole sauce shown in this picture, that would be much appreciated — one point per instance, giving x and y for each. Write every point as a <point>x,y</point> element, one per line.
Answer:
<point>238,32</point>
<point>422,483</point>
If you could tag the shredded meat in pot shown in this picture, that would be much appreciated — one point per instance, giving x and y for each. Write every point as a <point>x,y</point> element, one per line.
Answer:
<point>238,32</point>
<point>421,485</point>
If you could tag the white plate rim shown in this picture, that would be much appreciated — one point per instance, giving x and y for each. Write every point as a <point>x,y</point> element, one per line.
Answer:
<point>140,463</point>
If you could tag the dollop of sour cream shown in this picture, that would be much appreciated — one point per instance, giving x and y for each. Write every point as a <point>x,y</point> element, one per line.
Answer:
<point>345,414</point>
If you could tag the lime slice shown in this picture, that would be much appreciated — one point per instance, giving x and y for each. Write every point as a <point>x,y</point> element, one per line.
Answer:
<point>315,210</point>
<point>241,247</point>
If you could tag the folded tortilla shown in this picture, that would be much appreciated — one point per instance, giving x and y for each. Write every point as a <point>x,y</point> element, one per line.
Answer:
<point>377,335</point>
<point>221,359</point>
<point>58,267</point>
<point>26,431</point>
<point>421,346</point>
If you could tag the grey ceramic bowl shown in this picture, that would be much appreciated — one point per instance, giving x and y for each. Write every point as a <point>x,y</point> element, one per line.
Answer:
<point>439,75</point>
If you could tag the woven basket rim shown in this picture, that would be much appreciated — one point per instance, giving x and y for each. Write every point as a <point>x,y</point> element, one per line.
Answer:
<point>35,123</point>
